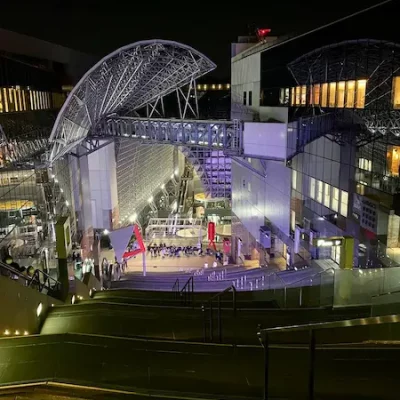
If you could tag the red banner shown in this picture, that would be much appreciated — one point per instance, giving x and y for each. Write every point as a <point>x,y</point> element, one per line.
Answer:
<point>211,235</point>
<point>135,245</point>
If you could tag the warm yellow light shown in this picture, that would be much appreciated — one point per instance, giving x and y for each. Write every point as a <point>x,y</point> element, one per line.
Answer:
<point>213,86</point>
<point>6,332</point>
<point>17,332</point>
<point>219,86</point>
<point>26,333</point>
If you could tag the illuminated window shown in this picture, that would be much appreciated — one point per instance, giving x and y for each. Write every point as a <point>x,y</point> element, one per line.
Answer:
<point>1,103</point>
<point>316,94</point>
<point>228,86</point>
<point>250,98</point>
<point>332,94</point>
<point>213,87</point>
<point>335,199</point>
<point>292,96</point>
<point>23,96</point>
<point>284,96</point>
<point>396,92</point>
<point>360,98</point>
<point>19,96</point>
<point>310,96</point>
<point>298,95</point>
<point>303,95</point>
<point>365,164</point>
<point>205,87</point>
<point>350,94</point>
<point>11,103</point>
<point>292,220</point>
<point>324,95</point>
<point>294,179</point>
<point>320,191</point>
<point>341,89</point>
<point>5,100</point>
<point>14,94</point>
<point>344,203</point>
<point>31,100</point>
<point>312,188</point>
<point>327,195</point>
<point>219,86</point>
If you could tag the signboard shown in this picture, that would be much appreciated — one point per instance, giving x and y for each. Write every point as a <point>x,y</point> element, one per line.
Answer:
<point>346,245</point>
<point>135,245</point>
<point>63,237</point>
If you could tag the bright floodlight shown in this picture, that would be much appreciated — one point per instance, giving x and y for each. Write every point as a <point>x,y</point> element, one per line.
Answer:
<point>122,82</point>
<point>106,232</point>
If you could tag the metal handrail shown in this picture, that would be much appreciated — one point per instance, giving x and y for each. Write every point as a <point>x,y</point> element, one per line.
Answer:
<point>312,276</point>
<point>46,279</point>
<point>263,336</point>
<point>386,293</point>
<point>210,302</point>
<point>175,288</point>
<point>35,278</point>
<point>188,291</point>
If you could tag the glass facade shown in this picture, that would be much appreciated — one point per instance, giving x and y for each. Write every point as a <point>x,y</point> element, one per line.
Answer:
<point>19,99</point>
<point>350,94</point>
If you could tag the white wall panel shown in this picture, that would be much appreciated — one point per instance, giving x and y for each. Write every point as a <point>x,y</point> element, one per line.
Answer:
<point>269,197</point>
<point>266,140</point>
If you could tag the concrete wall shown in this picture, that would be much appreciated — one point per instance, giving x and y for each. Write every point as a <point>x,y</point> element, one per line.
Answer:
<point>245,77</point>
<point>255,197</point>
<point>103,186</point>
<point>19,306</point>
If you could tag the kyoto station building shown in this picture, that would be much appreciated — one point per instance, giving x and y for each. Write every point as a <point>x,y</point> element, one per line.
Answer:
<point>320,178</point>
<point>165,234</point>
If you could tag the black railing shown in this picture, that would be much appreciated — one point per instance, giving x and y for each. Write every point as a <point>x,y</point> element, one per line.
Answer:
<point>311,330</point>
<point>219,319</point>
<point>39,280</point>
<point>187,292</point>
<point>175,289</point>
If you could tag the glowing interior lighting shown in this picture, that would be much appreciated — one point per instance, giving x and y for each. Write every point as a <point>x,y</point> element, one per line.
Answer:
<point>39,309</point>
<point>106,232</point>
<point>6,332</point>
<point>17,332</point>
<point>73,299</point>
<point>26,333</point>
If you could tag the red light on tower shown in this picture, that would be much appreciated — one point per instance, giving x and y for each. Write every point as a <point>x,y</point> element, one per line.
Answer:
<point>262,33</point>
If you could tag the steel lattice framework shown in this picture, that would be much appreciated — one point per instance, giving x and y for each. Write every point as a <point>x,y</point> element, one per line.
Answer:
<point>375,61</point>
<point>204,133</point>
<point>132,77</point>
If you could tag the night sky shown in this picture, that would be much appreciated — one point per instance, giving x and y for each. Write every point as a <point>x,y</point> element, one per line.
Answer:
<point>207,26</point>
